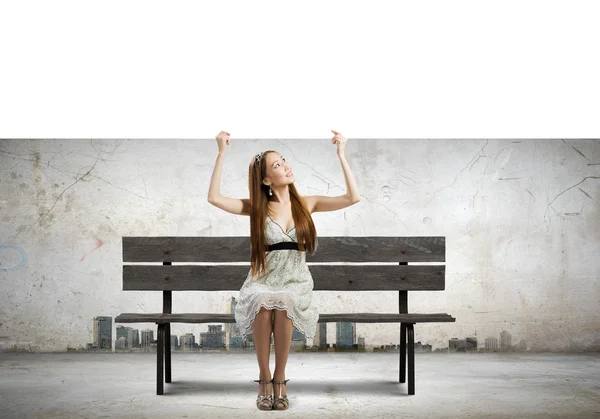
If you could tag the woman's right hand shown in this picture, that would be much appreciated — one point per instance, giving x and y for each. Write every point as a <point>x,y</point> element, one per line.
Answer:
<point>222,141</point>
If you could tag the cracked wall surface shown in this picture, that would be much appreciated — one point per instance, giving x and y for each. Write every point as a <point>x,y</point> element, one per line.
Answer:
<point>521,220</point>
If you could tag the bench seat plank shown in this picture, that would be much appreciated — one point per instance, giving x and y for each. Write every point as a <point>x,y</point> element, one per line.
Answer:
<point>330,249</point>
<point>323,318</point>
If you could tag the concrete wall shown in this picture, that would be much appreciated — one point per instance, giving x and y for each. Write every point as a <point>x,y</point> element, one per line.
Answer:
<point>521,220</point>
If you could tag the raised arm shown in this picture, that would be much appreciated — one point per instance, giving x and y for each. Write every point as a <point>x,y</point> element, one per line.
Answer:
<point>352,196</point>
<point>233,205</point>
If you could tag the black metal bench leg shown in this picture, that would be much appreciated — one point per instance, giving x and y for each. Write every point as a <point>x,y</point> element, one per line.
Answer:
<point>168,353</point>
<point>402,353</point>
<point>160,344</point>
<point>411,358</point>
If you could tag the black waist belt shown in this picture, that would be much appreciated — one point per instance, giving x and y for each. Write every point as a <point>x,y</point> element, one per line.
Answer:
<point>282,245</point>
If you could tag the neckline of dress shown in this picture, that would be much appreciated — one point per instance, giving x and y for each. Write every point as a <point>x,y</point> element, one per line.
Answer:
<point>286,232</point>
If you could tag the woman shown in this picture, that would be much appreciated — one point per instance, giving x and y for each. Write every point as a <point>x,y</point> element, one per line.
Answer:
<point>277,293</point>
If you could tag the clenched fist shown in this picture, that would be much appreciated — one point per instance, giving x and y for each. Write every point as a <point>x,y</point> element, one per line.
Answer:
<point>223,141</point>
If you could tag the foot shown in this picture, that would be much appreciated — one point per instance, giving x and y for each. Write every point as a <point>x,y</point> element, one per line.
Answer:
<point>281,401</point>
<point>264,400</point>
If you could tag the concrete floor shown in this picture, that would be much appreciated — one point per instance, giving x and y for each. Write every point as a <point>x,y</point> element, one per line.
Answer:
<point>322,385</point>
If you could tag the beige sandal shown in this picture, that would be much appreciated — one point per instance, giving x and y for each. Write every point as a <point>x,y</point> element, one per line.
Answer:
<point>264,402</point>
<point>280,402</point>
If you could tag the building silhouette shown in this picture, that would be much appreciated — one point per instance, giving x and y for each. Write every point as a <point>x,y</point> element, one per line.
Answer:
<point>121,343</point>
<point>491,343</point>
<point>361,344</point>
<point>457,345</point>
<point>505,340</point>
<point>147,338</point>
<point>298,342</point>
<point>131,335</point>
<point>248,343</point>
<point>174,342</point>
<point>122,333</point>
<point>233,336</point>
<point>187,342</point>
<point>102,332</point>
<point>471,344</point>
<point>420,347</point>
<point>133,338</point>
<point>320,339</point>
<point>297,335</point>
<point>214,338</point>
<point>345,334</point>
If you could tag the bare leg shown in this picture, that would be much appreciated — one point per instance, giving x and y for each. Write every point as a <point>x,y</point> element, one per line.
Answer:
<point>282,334</point>
<point>263,328</point>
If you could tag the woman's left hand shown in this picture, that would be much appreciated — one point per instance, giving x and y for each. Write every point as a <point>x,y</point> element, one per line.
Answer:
<point>340,141</point>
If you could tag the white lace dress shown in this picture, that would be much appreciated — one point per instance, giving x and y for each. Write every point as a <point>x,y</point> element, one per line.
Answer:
<point>285,285</point>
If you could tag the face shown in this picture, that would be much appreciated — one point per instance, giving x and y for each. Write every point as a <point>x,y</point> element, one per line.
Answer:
<point>278,168</point>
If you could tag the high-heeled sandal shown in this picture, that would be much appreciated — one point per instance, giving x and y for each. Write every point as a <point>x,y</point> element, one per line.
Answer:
<point>264,402</point>
<point>280,400</point>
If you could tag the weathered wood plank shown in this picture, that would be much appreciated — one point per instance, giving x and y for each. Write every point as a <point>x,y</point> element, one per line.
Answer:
<point>323,318</point>
<point>325,277</point>
<point>386,317</point>
<point>330,249</point>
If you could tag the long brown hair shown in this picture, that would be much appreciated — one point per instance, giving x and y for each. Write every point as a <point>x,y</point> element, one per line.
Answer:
<point>305,228</point>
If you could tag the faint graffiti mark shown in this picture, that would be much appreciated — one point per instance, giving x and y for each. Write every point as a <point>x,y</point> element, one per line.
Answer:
<point>579,152</point>
<point>99,244</point>
<point>586,194</point>
<point>587,177</point>
<point>11,265</point>
<point>584,156</point>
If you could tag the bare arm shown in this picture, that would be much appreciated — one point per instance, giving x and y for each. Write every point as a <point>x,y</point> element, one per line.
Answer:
<point>232,205</point>
<point>351,186</point>
<point>320,203</point>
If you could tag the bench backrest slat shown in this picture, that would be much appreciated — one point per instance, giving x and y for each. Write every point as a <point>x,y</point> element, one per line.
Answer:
<point>330,249</point>
<point>325,277</point>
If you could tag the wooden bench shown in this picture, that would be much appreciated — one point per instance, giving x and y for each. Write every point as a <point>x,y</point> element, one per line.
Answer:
<point>399,277</point>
